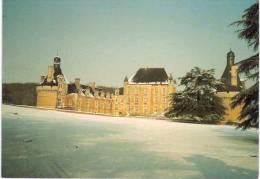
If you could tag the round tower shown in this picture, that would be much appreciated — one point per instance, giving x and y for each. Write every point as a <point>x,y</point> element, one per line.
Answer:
<point>56,62</point>
<point>230,58</point>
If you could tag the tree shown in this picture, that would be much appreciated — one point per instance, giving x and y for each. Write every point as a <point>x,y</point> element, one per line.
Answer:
<point>249,97</point>
<point>198,99</point>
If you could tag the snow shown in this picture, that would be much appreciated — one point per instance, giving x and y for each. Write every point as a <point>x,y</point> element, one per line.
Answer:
<point>46,143</point>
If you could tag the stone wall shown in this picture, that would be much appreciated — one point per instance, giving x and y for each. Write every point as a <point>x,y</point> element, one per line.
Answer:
<point>46,96</point>
<point>231,114</point>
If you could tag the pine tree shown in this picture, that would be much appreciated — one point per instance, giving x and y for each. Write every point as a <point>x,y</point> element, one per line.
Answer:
<point>249,97</point>
<point>198,99</point>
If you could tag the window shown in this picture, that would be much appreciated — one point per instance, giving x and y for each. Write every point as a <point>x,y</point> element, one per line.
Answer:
<point>164,100</point>
<point>136,100</point>
<point>136,90</point>
<point>145,91</point>
<point>164,91</point>
<point>156,99</point>
<point>145,99</point>
<point>136,108</point>
<point>145,108</point>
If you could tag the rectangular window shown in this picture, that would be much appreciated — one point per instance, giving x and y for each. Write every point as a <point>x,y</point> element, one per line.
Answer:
<point>136,108</point>
<point>145,108</point>
<point>145,99</point>
<point>156,99</point>
<point>136,99</point>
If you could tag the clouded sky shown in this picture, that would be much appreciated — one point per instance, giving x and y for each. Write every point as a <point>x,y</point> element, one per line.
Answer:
<point>104,40</point>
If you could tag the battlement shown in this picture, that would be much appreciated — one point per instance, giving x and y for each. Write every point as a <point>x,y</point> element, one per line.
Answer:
<point>49,88</point>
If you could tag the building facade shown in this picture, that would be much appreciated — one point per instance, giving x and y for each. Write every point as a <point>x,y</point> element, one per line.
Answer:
<point>146,93</point>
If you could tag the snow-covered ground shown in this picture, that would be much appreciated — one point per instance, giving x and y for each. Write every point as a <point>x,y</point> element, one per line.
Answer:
<point>45,143</point>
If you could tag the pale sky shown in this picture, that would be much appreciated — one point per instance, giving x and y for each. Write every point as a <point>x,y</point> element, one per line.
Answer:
<point>104,40</point>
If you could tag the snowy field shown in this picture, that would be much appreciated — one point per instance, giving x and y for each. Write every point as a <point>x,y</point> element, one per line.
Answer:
<point>43,143</point>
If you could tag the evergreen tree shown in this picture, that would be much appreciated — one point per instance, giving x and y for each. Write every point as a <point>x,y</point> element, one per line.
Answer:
<point>249,97</point>
<point>198,99</point>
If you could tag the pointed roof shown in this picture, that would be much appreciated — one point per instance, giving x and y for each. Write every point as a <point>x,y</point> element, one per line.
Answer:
<point>126,79</point>
<point>147,75</point>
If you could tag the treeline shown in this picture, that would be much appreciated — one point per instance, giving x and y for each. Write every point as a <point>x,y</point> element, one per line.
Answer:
<point>19,93</point>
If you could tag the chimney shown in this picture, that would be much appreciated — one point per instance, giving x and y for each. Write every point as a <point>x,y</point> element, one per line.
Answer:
<point>92,85</point>
<point>87,91</point>
<point>96,93</point>
<point>117,92</point>
<point>42,79</point>
<point>77,83</point>
<point>108,95</point>
<point>102,94</point>
<point>50,73</point>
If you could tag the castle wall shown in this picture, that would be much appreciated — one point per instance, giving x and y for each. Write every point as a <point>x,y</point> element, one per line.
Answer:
<point>46,96</point>
<point>89,104</point>
<point>231,114</point>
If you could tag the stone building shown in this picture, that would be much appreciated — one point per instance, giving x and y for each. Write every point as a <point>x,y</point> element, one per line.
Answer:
<point>232,86</point>
<point>145,93</point>
<point>53,86</point>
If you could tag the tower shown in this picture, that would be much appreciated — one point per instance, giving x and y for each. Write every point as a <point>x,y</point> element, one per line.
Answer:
<point>230,58</point>
<point>56,64</point>
<point>77,83</point>
<point>172,83</point>
<point>233,68</point>
<point>230,76</point>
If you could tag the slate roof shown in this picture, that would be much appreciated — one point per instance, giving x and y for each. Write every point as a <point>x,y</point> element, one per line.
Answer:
<point>147,75</point>
<point>110,89</point>
<point>72,88</point>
